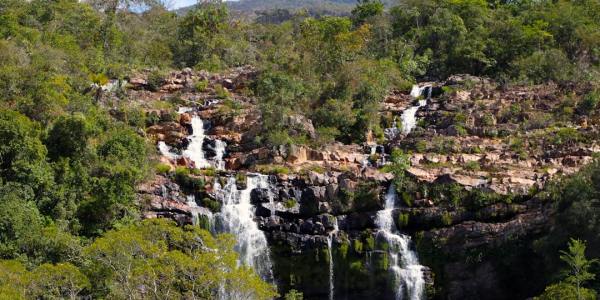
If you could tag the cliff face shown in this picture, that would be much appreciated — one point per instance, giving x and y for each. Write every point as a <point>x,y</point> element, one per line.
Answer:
<point>478,156</point>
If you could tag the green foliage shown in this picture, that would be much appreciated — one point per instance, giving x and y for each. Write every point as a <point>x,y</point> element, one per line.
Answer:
<point>446,218</point>
<point>589,102</point>
<point>60,281</point>
<point>68,137</point>
<point>366,9</point>
<point>200,34</point>
<point>472,166</point>
<point>357,245</point>
<point>22,154</point>
<point>290,203</point>
<point>578,271</point>
<point>294,295</point>
<point>565,291</point>
<point>399,164</point>
<point>162,168</point>
<point>272,169</point>
<point>403,219</point>
<point>213,205</point>
<point>201,85</point>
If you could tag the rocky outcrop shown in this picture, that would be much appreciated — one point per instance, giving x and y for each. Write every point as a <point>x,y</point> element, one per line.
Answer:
<point>477,157</point>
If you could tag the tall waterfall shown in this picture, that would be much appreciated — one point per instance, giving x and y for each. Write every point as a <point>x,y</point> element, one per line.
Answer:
<point>331,264</point>
<point>404,265</point>
<point>237,217</point>
<point>409,118</point>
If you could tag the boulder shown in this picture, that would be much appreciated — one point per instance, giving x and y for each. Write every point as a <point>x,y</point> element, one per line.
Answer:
<point>296,155</point>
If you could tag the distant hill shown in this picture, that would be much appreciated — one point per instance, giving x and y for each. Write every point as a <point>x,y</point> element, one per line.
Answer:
<point>331,7</point>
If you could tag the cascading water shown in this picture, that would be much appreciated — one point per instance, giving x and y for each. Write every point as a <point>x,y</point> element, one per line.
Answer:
<point>409,118</point>
<point>237,217</point>
<point>194,150</point>
<point>331,264</point>
<point>404,264</point>
<point>220,152</point>
<point>165,151</point>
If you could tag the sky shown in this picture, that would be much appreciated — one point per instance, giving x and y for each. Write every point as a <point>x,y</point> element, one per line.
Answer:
<point>183,3</point>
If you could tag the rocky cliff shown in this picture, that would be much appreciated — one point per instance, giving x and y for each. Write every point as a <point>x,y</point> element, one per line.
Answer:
<point>479,154</point>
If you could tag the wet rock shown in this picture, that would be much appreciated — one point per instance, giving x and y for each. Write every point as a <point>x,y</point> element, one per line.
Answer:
<point>259,195</point>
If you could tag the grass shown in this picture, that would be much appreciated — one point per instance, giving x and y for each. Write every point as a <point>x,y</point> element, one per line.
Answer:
<point>273,169</point>
<point>162,168</point>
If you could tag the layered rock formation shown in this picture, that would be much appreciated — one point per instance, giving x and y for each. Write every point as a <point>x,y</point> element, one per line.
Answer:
<point>477,157</point>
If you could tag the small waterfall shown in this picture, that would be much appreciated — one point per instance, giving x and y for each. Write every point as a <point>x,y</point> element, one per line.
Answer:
<point>331,264</point>
<point>200,212</point>
<point>409,118</point>
<point>184,109</point>
<point>165,151</point>
<point>403,261</point>
<point>220,152</point>
<point>237,217</point>
<point>194,150</point>
<point>392,132</point>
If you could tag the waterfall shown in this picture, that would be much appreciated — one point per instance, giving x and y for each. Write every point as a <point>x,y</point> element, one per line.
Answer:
<point>409,118</point>
<point>237,217</point>
<point>194,150</point>
<point>184,109</point>
<point>331,264</point>
<point>220,152</point>
<point>165,151</point>
<point>403,261</point>
<point>199,211</point>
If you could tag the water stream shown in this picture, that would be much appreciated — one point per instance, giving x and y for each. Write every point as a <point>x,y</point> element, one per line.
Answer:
<point>409,118</point>
<point>331,262</point>
<point>194,150</point>
<point>404,264</point>
<point>237,217</point>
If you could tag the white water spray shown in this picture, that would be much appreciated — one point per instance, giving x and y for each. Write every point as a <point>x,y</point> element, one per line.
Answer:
<point>194,150</point>
<point>220,152</point>
<point>237,217</point>
<point>165,151</point>
<point>331,264</point>
<point>403,261</point>
<point>409,118</point>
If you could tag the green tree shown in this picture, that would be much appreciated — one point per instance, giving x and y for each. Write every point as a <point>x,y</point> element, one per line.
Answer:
<point>60,281</point>
<point>366,9</point>
<point>158,259</point>
<point>199,34</point>
<point>578,271</point>
<point>68,137</point>
<point>22,154</point>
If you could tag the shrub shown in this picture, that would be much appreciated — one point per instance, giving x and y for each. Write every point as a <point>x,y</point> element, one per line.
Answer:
<point>182,171</point>
<point>421,146</point>
<point>272,169</point>
<point>222,93</point>
<point>472,166</point>
<point>446,218</point>
<point>211,171</point>
<point>212,205</point>
<point>565,136</point>
<point>589,103</point>
<point>155,80</point>
<point>201,85</point>
<point>357,246</point>
<point>403,219</point>
<point>290,203</point>
<point>162,168</point>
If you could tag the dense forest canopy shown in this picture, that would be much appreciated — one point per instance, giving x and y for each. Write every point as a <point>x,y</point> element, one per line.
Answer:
<point>68,169</point>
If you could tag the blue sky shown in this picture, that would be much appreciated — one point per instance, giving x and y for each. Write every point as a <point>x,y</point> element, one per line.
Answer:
<point>182,3</point>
